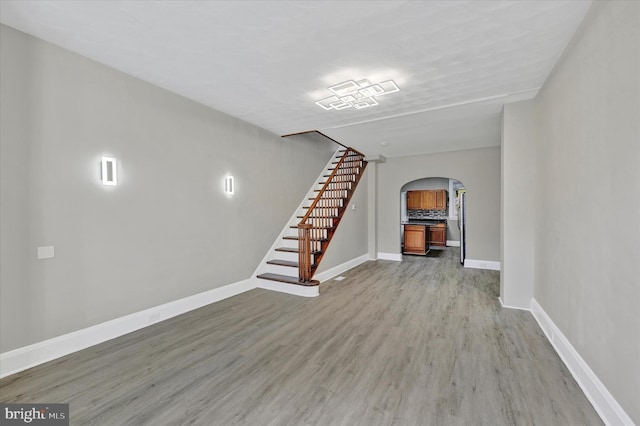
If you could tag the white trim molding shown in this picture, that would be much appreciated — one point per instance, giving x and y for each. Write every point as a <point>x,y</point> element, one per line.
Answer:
<point>337,270</point>
<point>482,264</point>
<point>451,243</point>
<point>38,353</point>
<point>390,256</point>
<point>512,307</point>
<point>604,403</point>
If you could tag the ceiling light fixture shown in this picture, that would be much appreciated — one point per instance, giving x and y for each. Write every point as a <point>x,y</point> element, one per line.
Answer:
<point>356,94</point>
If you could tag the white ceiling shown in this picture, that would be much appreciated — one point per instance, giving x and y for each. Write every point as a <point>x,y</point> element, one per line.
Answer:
<point>266,62</point>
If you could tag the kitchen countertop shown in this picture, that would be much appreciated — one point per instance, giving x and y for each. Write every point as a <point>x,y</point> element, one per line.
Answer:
<point>424,222</point>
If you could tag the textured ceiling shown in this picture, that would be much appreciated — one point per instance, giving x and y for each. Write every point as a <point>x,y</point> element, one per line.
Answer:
<point>266,62</point>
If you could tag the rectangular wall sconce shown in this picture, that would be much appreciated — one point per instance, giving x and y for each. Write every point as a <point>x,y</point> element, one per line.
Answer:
<point>229,186</point>
<point>108,173</point>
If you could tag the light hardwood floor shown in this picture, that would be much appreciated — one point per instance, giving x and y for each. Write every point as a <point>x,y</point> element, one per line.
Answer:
<point>418,342</point>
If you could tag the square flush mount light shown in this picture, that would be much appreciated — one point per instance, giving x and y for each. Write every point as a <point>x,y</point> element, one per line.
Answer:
<point>229,186</point>
<point>108,171</point>
<point>356,94</point>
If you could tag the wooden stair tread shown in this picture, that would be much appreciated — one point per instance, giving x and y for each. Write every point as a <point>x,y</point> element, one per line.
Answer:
<point>313,227</point>
<point>287,279</point>
<point>346,165</point>
<point>282,262</point>
<point>290,237</point>
<point>328,198</point>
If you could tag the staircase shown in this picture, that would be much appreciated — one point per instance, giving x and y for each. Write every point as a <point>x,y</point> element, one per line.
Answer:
<point>301,249</point>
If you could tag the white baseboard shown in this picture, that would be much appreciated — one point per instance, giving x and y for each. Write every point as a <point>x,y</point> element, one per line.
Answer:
<point>512,307</point>
<point>38,353</point>
<point>337,270</point>
<point>604,403</point>
<point>482,264</point>
<point>390,256</point>
<point>451,243</point>
<point>296,290</point>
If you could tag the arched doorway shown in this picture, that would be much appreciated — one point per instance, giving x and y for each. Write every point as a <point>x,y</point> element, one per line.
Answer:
<point>433,209</point>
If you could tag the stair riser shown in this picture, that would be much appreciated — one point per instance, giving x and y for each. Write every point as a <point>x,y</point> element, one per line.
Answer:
<point>289,243</point>
<point>323,233</point>
<point>286,256</point>
<point>325,223</point>
<point>282,270</point>
<point>334,187</point>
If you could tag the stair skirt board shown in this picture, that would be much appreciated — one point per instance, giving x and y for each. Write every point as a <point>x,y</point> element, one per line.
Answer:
<point>343,267</point>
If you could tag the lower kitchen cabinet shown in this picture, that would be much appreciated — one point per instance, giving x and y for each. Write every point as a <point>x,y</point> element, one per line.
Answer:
<point>438,235</point>
<point>415,241</point>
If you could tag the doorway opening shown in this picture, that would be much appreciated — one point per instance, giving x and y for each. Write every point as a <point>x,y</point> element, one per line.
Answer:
<point>432,216</point>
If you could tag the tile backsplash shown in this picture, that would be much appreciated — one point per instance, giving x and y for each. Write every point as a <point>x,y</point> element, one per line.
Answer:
<point>427,214</point>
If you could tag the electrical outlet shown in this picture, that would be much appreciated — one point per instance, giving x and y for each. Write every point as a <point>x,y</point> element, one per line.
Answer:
<point>46,252</point>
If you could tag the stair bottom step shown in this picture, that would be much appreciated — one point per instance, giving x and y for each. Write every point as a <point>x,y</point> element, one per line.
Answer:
<point>287,279</point>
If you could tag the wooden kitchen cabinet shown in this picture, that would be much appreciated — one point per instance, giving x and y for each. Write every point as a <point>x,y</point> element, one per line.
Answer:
<point>440,199</point>
<point>415,241</point>
<point>427,200</point>
<point>414,200</point>
<point>438,235</point>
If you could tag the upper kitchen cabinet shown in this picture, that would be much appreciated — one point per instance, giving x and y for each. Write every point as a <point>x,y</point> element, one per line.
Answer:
<point>427,200</point>
<point>440,199</point>
<point>414,200</point>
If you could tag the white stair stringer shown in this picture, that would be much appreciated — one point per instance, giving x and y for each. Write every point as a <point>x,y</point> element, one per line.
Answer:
<point>264,267</point>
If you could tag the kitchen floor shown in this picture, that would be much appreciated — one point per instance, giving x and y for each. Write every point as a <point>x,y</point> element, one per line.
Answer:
<point>418,342</point>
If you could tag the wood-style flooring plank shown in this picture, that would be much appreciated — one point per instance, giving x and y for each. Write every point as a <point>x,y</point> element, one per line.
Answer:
<point>418,342</point>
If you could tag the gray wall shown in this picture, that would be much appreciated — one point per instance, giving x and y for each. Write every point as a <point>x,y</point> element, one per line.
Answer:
<point>478,169</point>
<point>165,232</point>
<point>453,233</point>
<point>588,181</point>
<point>518,204</point>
